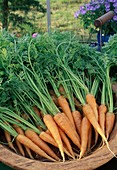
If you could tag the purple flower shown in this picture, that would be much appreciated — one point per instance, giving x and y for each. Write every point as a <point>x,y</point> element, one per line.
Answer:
<point>115,10</point>
<point>107,5</point>
<point>88,6</point>
<point>115,4</point>
<point>107,9</point>
<point>115,18</point>
<point>76,14</point>
<point>101,1</point>
<point>111,0</point>
<point>97,6</point>
<point>83,11</point>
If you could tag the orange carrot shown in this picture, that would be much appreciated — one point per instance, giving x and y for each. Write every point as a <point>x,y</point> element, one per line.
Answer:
<point>39,142</point>
<point>85,127</point>
<point>63,103</point>
<point>66,141</point>
<point>19,145</point>
<point>90,99</point>
<point>102,109</point>
<point>27,142</point>
<point>77,119</point>
<point>9,140</point>
<point>19,130</point>
<point>89,139</point>
<point>64,123</point>
<point>88,111</point>
<point>47,137</point>
<point>110,119</point>
<point>51,125</point>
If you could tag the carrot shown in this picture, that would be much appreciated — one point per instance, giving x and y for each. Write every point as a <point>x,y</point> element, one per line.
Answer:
<point>27,142</point>
<point>89,139</point>
<point>110,119</point>
<point>102,109</point>
<point>88,111</point>
<point>39,142</point>
<point>85,127</point>
<point>9,140</point>
<point>66,141</point>
<point>19,145</point>
<point>90,99</point>
<point>47,137</point>
<point>51,125</point>
<point>63,103</point>
<point>64,123</point>
<point>19,130</point>
<point>77,119</point>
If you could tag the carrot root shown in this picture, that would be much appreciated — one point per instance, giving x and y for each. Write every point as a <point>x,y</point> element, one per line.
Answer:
<point>63,122</point>
<point>39,142</point>
<point>27,142</point>
<point>51,125</point>
<point>85,127</point>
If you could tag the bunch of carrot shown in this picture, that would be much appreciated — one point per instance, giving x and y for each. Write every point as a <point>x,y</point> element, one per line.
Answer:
<point>61,109</point>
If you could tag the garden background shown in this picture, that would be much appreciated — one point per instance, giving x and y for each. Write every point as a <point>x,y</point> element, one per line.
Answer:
<point>21,17</point>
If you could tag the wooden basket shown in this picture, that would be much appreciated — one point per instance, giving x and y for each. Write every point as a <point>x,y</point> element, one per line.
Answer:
<point>93,161</point>
<point>90,162</point>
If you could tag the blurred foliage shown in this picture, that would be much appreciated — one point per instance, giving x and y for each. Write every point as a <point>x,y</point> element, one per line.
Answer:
<point>14,13</point>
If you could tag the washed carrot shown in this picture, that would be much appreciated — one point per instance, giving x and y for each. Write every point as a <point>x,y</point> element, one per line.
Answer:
<point>88,111</point>
<point>64,123</point>
<point>19,145</point>
<point>9,140</point>
<point>19,130</point>
<point>77,119</point>
<point>110,119</point>
<point>27,142</point>
<point>102,109</point>
<point>91,100</point>
<point>51,125</point>
<point>66,141</point>
<point>89,139</point>
<point>39,142</point>
<point>85,127</point>
<point>63,103</point>
<point>47,137</point>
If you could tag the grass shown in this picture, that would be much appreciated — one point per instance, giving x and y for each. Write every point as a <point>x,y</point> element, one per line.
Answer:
<point>62,18</point>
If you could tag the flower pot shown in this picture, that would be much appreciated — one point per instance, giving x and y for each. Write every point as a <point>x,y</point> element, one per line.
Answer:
<point>101,39</point>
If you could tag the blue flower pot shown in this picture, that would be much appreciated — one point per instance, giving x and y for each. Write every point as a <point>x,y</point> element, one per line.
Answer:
<point>101,40</point>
